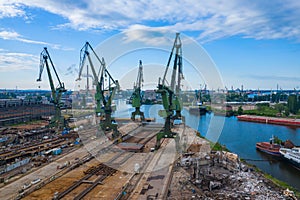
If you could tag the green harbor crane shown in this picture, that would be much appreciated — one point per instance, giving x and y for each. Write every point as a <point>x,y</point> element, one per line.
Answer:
<point>58,120</point>
<point>171,94</point>
<point>105,89</point>
<point>137,95</point>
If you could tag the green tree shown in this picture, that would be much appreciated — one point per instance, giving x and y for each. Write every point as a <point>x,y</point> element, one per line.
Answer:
<point>293,104</point>
<point>279,107</point>
<point>240,110</point>
<point>286,111</point>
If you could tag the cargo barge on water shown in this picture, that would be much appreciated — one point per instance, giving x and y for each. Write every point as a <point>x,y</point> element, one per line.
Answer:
<point>270,120</point>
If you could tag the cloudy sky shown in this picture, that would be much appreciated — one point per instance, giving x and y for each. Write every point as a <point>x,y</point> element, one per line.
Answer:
<point>251,43</point>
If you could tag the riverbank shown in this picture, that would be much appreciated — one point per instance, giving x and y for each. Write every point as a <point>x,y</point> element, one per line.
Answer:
<point>221,175</point>
<point>274,181</point>
<point>245,179</point>
<point>270,120</point>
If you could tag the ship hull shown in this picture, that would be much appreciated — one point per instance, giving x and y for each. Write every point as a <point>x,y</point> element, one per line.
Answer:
<point>292,156</point>
<point>294,163</point>
<point>268,148</point>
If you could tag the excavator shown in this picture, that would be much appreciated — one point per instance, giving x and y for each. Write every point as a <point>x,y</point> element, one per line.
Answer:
<point>137,95</point>
<point>58,120</point>
<point>105,89</point>
<point>171,94</point>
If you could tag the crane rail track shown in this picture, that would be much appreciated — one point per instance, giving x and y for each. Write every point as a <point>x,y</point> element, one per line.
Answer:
<point>112,162</point>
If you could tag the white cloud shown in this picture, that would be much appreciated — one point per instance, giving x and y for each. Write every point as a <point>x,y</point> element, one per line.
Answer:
<point>10,9</point>
<point>12,35</point>
<point>9,35</point>
<point>10,62</point>
<point>146,35</point>
<point>210,19</point>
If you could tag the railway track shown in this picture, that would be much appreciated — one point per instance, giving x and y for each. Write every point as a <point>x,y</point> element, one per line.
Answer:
<point>28,151</point>
<point>108,183</point>
<point>137,135</point>
<point>103,170</point>
<point>134,185</point>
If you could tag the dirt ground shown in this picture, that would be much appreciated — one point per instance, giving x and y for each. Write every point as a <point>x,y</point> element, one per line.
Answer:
<point>32,125</point>
<point>61,183</point>
<point>110,188</point>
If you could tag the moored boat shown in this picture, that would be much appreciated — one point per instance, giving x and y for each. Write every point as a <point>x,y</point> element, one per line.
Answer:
<point>272,147</point>
<point>269,148</point>
<point>291,155</point>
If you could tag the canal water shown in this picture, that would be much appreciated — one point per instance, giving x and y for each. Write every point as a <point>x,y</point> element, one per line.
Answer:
<point>238,136</point>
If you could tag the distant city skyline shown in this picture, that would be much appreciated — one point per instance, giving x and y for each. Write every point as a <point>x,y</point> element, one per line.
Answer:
<point>249,43</point>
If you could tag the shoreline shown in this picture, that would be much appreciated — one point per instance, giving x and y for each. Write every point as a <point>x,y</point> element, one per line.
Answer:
<point>271,181</point>
<point>276,182</point>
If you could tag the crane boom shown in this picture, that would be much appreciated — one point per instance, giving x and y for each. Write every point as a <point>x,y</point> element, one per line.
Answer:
<point>83,53</point>
<point>104,95</point>
<point>140,78</point>
<point>56,92</point>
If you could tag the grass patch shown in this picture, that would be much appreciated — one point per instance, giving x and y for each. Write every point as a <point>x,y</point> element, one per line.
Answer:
<point>282,184</point>
<point>263,111</point>
<point>218,147</point>
<point>214,146</point>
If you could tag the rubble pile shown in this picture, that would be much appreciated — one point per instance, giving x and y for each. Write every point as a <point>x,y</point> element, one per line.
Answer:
<point>220,175</point>
<point>247,185</point>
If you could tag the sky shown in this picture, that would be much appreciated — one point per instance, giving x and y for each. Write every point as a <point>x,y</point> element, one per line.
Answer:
<point>225,43</point>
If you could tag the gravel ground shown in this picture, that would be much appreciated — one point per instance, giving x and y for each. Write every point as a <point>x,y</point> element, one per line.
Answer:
<point>221,179</point>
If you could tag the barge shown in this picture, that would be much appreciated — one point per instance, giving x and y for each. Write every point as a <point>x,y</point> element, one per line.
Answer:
<point>270,120</point>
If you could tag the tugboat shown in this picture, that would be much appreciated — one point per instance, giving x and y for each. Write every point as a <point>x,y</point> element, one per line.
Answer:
<point>269,147</point>
<point>291,155</point>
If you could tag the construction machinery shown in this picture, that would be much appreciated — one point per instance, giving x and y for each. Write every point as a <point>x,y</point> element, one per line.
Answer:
<point>171,93</point>
<point>137,95</point>
<point>106,87</point>
<point>58,120</point>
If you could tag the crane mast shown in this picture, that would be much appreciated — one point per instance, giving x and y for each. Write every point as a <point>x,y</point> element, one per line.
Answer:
<point>171,94</point>
<point>137,95</point>
<point>104,92</point>
<point>56,92</point>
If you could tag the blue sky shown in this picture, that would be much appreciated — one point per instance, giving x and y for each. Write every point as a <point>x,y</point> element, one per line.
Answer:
<point>252,43</point>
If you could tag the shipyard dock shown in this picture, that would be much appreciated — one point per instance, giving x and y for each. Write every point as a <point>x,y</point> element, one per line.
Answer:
<point>131,169</point>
